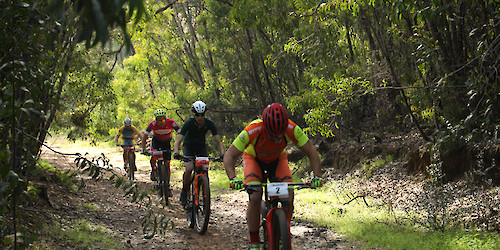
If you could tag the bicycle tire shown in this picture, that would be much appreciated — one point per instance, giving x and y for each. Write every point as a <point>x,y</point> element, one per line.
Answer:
<point>164,182</point>
<point>190,206</point>
<point>202,210</point>
<point>280,231</point>
<point>263,212</point>
<point>131,165</point>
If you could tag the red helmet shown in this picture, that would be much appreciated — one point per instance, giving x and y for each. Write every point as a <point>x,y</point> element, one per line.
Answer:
<point>275,119</point>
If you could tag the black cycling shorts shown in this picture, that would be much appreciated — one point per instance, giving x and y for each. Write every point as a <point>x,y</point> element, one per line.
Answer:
<point>161,145</point>
<point>194,149</point>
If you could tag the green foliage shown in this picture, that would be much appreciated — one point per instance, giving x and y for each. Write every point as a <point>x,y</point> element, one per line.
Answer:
<point>326,101</point>
<point>375,163</point>
<point>98,17</point>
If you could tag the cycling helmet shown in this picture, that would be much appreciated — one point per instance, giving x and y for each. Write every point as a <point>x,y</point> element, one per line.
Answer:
<point>160,112</point>
<point>127,121</point>
<point>275,119</point>
<point>199,107</point>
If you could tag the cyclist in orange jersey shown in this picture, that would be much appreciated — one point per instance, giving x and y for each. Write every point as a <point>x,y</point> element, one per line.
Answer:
<point>263,145</point>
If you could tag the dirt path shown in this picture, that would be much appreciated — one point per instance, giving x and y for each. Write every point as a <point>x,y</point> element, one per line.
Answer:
<point>227,228</point>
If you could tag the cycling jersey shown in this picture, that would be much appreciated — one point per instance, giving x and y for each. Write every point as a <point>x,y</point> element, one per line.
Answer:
<point>196,135</point>
<point>255,142</point>
<point>128,134</point>
<point>162,133</point>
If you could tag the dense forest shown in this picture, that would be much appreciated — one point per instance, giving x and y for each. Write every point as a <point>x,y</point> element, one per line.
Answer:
<point>345,70</point>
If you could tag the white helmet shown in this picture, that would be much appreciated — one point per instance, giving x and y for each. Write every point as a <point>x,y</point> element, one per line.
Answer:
<point>199,107</point>
<point>127,121</point>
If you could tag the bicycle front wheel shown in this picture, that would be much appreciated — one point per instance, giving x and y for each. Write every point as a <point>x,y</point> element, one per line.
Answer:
<point>280,230</point>
<point>131,165</point>
<point>190,206</point>
<point>202,207</point>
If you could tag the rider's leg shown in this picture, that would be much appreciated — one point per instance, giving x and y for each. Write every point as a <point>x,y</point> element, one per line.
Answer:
<point>253,175</point>
<point>125,157</point>
<point>253,215</point>
<point>186,177</point>
<point>152,161</point>
<point>283,174</point>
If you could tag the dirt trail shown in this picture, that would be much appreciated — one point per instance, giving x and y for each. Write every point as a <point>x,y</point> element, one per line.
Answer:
<point>227,228</point>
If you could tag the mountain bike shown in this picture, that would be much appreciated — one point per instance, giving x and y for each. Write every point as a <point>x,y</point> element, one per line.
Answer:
<point>131,167</point>
<point>275,221</point>
<point>162,173</point>
<point>198,199</point>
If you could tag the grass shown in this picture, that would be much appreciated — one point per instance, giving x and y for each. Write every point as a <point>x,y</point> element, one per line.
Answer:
<point>373,226</point>
<point>64,179</point>
<point>81,235</point>
<point>377,228</point>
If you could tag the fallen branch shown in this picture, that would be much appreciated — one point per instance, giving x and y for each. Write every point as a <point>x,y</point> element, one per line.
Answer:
<point>358,196</point>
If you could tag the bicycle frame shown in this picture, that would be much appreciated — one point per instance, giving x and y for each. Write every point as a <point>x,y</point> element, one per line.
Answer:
<point>199,214</point>
<point>163,184</point>
<point>274,200</point>
<point>129,151</point>
<point>202,165</point>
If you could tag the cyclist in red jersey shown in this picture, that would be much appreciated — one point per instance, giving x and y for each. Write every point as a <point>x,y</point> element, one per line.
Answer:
<point>263,145</point>
<point>161,128</point>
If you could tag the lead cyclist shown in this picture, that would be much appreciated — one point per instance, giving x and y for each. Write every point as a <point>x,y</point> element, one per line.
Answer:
<point>263,145</point>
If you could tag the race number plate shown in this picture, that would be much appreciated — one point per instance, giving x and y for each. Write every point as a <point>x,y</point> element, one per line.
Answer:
<point>278,189</point>
<point>203,162</point>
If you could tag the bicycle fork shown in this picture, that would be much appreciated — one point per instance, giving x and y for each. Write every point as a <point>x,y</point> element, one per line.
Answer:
<point>196,190</point>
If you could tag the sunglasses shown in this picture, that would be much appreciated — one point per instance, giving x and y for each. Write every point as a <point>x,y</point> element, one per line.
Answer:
<point>199,114</point>
<point>160,119</point>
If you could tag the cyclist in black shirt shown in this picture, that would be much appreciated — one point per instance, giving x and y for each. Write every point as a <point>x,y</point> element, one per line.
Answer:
<point>194,143</point>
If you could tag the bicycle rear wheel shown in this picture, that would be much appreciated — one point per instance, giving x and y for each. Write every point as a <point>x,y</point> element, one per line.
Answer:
<point>280,230</point>
<point>131,165</point>
<point>202,209</point>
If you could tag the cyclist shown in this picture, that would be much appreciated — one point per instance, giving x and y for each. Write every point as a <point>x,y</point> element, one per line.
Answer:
<point>194,143</point>
<point>128,131</point>
<point>263,145</point>
<point>161,128</point>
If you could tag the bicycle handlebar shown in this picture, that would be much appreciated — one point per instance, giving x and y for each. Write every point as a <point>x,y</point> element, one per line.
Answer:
<point>300,184</point>
<point>157,152</point>
<point>192,158</point>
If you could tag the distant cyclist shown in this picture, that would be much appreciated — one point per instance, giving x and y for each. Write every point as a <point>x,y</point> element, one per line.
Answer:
<point>193,136</point>
<point>161,129</point>
<point>128,131</point>
<point>263,145</point>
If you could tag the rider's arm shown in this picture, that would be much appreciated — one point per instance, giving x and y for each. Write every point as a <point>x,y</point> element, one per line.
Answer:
<point>120,131</point>
<point>144,139</point>
<point>313,156</point>
<point>219,143</point>
<point>177,143</point>
<point>230,159</point>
